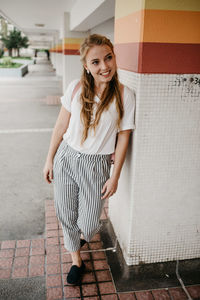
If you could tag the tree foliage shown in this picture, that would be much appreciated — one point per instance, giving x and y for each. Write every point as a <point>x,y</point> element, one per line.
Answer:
<point>15,41</point>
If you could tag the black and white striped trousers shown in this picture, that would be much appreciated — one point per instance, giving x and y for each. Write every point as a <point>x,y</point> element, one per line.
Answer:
<point>78,181</point>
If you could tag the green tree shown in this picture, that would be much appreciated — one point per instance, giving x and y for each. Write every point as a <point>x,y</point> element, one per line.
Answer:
<point>15,41</point>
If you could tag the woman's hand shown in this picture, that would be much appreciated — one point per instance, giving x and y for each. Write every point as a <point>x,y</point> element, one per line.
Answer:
<point>109,188</point>
<point>48,171</point>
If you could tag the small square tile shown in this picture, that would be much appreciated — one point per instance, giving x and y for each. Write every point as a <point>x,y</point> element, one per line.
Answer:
<point>71,291</point>
<point>109,297</point>
<point>39,243</point>
<point>103,275</point>
<point>88,265</point>
<point>98,255</point>
<point>53,269</point>
<point>53,281</point>
<point>54,293</point>
<point>143,295</point>
<point>8,244</point>
<point>52,241</point>
<point>160,294</point>
<point>5,274</point>
<point>20,261</point>
<point>23,243</point>
<point>50,208</point>
<point>6,253</point>
<point>66,257</point>
<point>20,272</point>
<point>194,291</point>
<point>106,288</point>
<point>52,226</point>
<point>51,233</point>
<point>88,277</point>
<point>6,263</point>
<point>85,256</point>
<point>96,238</point>
<point>51,220</point>
<point>52,249</point>
<point>50,213</point>
<point>66,267</point>
<point>49,202</point>
<point>36,271</point>
<point>126,296</point>
<point>37,260</point>
<point>100,265</point>
<point>177,294</point>
<point>89,289</point>
<point>60,232</point>
<point>22,252</point>
<point>53,258</point>
<point>37,251</point>
<point>95,245</point>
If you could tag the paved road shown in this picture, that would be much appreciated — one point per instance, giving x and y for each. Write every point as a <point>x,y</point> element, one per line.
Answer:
<point>25,130</point>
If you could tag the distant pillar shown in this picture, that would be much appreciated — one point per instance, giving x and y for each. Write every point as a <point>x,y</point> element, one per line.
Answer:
<point>155,212</point>
<point>59,58</point>
<point>72,66</point>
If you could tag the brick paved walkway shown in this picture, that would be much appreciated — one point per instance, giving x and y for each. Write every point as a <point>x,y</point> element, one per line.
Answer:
<point>48,257</point>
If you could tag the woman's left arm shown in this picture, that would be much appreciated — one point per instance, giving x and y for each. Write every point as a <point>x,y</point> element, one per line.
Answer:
<point>110,186</point>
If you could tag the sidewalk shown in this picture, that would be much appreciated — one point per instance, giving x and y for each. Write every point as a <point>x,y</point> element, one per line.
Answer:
<point>48,259</point>
<point>33,260</point>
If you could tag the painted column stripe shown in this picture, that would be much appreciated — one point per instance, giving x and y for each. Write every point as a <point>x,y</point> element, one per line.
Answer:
<point>158,57</point>
<point>125,7</point>
<point>72,46</point>
<point>163,26</point>
<point>71,52</point>
<point>130,28</point>
<point>73,40</point>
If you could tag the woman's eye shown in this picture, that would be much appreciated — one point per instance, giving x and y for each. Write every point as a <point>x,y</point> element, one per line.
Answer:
<point>95,62</point>
<point>109,57</point>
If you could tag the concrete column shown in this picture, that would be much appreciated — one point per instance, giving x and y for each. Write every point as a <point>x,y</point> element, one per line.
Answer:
<point>156,210</point>
<point>59,58</point>
<point>72,66</point>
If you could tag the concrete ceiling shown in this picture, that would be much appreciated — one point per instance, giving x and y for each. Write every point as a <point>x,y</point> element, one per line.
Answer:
<point>25,14</point>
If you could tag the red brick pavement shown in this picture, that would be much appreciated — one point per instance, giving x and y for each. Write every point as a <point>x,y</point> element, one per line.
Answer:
<point>48,257</point>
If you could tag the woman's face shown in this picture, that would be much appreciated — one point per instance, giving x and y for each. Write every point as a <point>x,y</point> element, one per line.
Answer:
<point>101,63</point>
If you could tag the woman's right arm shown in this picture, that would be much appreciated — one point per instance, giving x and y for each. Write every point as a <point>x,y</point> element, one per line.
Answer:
<point>60,128</point>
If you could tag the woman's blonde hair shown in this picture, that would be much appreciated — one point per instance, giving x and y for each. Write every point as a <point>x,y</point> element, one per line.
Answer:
<point>88,88</point>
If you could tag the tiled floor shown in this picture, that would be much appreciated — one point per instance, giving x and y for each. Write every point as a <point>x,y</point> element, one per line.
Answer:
<point>48,257</point>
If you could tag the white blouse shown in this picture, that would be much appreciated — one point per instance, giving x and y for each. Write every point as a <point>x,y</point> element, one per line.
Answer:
<point>103,141</point>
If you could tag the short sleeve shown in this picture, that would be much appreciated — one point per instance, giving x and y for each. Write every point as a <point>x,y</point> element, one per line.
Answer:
<point>67,97</point>
<point>129,102</point>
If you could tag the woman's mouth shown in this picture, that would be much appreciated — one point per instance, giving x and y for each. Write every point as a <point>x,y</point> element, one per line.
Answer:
<point>105,74</point>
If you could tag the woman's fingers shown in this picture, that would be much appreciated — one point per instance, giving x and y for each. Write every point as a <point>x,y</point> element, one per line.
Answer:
<point>51,174</point>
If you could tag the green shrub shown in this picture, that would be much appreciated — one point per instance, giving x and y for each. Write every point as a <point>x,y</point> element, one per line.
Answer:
<point>1,53</point>
<point>7,61</point>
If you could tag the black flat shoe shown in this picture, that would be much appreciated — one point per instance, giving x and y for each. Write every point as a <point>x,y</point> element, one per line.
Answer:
<point>83,242</point>
<point>75,273</point>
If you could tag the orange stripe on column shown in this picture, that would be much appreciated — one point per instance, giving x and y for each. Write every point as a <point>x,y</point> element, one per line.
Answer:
<point>71,52</point>
<point>163,26</point>
<point>72,46</point>
<point>130,28</point>
<point>170,26</point>
<point>158,57</point>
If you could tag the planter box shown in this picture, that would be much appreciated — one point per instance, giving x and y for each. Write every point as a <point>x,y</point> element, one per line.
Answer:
<point>14,72</point>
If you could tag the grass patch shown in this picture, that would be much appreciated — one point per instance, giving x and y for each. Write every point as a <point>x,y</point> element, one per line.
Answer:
<point>22,57</point>
<point>11,66</point>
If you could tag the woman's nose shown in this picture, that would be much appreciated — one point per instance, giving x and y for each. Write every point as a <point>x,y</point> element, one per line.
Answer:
<point>103,65</point>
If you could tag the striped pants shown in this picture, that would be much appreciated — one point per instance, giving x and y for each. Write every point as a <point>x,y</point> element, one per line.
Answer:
<point>78,181</point>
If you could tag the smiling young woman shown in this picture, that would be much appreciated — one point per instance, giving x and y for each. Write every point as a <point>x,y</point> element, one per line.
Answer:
<point>83,140</point>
